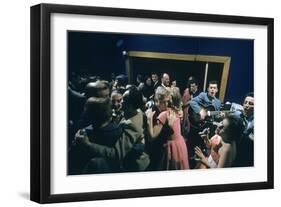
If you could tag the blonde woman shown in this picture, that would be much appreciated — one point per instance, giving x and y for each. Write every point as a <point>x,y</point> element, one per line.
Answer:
<point>175,150</point>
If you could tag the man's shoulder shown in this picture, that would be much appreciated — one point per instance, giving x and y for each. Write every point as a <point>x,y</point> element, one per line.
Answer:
<point>217,100</point>
<point>202,95</point>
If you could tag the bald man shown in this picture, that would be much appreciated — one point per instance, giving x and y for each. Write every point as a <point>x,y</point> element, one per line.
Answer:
<point>165,80</point>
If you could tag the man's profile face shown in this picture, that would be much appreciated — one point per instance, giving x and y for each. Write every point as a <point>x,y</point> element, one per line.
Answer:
<point>248,106</point>
<point>193,87</point>
<point>212,90</point>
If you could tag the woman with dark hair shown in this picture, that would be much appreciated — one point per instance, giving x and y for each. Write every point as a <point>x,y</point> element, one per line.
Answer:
<point>223,145</point>
<point>147,89</point>
<point>128,151</point>
<point>139,81</point>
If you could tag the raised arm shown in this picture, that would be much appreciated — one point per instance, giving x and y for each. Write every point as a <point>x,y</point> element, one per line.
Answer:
<point>168,117</point>
<point>153,131</point>
<point>202,157</point>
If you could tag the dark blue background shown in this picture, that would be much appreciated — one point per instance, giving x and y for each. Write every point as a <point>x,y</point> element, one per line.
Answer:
<point>101,54</point>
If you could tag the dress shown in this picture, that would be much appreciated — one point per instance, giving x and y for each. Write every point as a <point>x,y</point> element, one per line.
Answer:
<point>175,150</point>
<point>155,146</point>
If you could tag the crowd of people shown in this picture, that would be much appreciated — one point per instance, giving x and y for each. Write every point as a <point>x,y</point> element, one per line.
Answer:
<point>115,126</point>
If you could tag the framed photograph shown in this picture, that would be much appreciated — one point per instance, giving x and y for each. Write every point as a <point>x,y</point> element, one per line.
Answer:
<point>132,103</point>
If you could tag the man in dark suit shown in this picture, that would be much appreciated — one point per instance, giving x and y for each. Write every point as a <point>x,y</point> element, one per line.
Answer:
<point>155,81</point>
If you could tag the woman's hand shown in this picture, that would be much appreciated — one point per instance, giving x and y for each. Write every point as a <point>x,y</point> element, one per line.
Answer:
<point>171,118</point>
<point>205,136</point>
<point>199,153</point>
<point>149,114</point>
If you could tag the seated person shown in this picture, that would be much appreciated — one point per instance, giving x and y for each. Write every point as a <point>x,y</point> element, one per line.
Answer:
<point>224,144</point>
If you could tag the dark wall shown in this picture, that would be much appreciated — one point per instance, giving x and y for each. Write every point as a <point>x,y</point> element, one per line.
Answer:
<point>95,53</point>
<point>101,53</point>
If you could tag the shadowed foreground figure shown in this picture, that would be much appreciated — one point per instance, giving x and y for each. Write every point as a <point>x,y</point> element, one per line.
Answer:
<point>129,149</point>
<point>102,130</point>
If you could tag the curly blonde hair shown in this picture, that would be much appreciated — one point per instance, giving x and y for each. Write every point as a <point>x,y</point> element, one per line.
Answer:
<point>176,99</point>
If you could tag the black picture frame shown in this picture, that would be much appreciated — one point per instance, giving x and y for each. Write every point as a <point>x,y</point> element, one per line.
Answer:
<point>41,96</point>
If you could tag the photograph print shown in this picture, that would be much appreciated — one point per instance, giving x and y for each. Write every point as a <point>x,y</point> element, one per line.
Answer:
<point>142,103</point>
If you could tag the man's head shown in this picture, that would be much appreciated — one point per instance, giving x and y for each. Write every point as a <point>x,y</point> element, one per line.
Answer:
<point>99,88</point>
<point>165,79</point>
<point>248,104</point>
<point>193,85</point>
<point>99,110</point>
<point>212,88</point>
<point>132,100</point>
<point>139,79</point>
<point>162,98</point>
<point>121,81</point>
<point>116,99</point>
<point>154,77</point>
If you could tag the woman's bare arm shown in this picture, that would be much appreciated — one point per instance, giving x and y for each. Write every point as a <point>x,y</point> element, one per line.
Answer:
<point>202,157</point>
<point>154,131</point>
<point>224,160</point>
